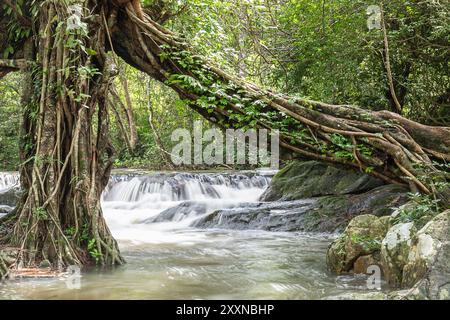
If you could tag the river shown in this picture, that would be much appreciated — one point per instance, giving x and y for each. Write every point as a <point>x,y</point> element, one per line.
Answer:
<point>151,216</point>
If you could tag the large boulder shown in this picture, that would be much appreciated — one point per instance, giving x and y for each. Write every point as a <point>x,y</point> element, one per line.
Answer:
<point>430,251</point>
<point>333,213</point>
<point>362,264</point>
<point>395,250</point>
<point>427,269</point>
<point>362,237</point>
<point>300,180</point>
<point>341,195</point>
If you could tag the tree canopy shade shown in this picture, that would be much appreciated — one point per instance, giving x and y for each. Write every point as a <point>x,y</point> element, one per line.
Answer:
<point>69,50</point>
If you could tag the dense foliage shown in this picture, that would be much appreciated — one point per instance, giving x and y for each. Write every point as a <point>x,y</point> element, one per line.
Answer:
<point>9,122</point>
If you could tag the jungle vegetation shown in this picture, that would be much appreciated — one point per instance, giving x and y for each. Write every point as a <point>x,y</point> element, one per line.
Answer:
<point>89,85</point>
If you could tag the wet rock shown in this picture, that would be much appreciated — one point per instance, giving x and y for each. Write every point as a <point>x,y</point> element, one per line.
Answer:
<point>179,212</point>
<point>275,216</point>
<point>380,201</point>
<point>395,251</point>
<point>4,210</point>
<point>325,214</point>
<point>362,237</point>
<point>300,180</point>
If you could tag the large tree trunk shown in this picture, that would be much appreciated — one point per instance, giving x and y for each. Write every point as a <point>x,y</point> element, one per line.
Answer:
<point>65,149</point>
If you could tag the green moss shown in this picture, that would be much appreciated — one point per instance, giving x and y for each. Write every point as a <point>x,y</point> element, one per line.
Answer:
<point>368,243</point>
<point>308,179</point>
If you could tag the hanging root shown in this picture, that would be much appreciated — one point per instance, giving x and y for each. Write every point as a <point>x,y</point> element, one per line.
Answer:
<point>4,267</point>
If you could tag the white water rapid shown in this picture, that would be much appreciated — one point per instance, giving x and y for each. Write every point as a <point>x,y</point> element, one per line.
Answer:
<point>132,203</point>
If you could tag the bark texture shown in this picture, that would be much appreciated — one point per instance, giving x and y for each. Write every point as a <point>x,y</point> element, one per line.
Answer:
<point>66,154</point>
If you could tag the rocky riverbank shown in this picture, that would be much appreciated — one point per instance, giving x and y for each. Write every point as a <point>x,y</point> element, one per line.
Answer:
<point>377,225</point>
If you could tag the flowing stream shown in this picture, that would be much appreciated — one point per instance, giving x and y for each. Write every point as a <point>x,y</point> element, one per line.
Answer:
<point>151,216</point>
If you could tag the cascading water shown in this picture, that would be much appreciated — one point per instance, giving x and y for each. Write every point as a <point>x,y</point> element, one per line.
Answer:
<point>9,190</point>
<point>145,208</point>
<point>155,219</point>
<point>8,180</point>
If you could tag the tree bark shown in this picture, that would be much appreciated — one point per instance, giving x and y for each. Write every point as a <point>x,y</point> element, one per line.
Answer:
<point>65,148</point>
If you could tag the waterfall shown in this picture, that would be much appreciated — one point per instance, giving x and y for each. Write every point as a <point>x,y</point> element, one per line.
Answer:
<point>150,208</point>
<point>182,186</point>
<point>143,207</point>
<point>8,180</point>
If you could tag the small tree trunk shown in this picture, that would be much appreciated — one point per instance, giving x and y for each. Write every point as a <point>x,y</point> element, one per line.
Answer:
<point>387,63</point>
<point>113,102</point>
<point>164,153</point>
<point>128,108</point>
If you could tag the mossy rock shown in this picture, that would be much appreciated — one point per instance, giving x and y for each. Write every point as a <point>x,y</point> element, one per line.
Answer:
<point>299,180</point>
<point>362,237</point>
<point>363,263</point>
